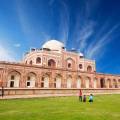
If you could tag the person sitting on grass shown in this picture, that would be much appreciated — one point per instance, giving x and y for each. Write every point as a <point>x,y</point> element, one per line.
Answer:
<point>84,98</point>
<point>91,98</point>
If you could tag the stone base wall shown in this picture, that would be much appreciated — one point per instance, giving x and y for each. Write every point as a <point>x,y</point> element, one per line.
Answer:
<point>64,92</point>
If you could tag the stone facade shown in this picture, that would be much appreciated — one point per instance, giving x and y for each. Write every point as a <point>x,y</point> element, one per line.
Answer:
<point>52,67</point>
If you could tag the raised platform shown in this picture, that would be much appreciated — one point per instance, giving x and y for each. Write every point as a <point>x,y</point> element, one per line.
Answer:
<point>47,92</point>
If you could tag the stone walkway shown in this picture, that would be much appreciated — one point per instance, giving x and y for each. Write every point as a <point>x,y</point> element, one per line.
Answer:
<point>34,96</point>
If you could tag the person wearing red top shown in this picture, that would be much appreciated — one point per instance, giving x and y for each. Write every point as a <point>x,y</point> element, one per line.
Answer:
<point>80,95</point>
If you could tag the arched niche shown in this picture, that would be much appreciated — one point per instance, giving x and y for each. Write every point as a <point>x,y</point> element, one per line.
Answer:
<point>89,68</point>
<point>31,78</point>
<point>45,81</point>
<point>58,81</point>
<point>102,83</point>
<point>38,60</point>
<point>70,63</point>
<point>51,63</point>
<point>13,79</point>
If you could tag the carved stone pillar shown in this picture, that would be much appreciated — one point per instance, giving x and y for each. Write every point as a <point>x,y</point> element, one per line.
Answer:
<point>39,78</point>
<point>51,80</point>
<point>98,83</point>
<point>74,83</point>
<point>5,78</point>
<point>83,82</point>
<point>91,82</point>
<point>23,80</point>
<point>105,83</point>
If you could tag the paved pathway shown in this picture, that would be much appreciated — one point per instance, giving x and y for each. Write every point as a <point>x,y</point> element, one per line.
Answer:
<point>34,96</point>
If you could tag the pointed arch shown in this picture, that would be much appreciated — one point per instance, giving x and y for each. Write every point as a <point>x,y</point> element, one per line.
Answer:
<point>115,83</point>
<point>70,63</point>
<point>30,80</point>
<point>102,83</point>
<point>38,60</point>
<point>58,81</point>
<point>13,79</point>
<point>31,62</point>
<point>45,81</point>
<point>89,68</point>
<point>51,63</point>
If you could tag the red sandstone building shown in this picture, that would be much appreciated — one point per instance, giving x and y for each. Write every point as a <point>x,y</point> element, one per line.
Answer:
<point>53,69</point>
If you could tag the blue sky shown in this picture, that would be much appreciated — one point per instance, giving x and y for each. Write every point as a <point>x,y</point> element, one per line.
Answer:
<point>90,26</point>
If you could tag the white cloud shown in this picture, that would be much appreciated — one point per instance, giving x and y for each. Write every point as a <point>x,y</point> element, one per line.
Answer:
<point>17,45</point>
<point>96,48</point>
<point>84,33</point>
<point>64,22</point>
<point>26,27</point>
<point>6,54</point>
<point>84,26</point>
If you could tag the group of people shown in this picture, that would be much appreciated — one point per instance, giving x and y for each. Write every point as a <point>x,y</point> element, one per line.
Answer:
<point>83,98</point>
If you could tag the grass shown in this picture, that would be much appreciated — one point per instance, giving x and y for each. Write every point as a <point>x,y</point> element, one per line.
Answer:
<point>104,107</point>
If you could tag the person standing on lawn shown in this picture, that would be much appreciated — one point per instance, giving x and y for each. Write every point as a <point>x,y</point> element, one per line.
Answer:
<point>91,98</point>
<point>80,95</point>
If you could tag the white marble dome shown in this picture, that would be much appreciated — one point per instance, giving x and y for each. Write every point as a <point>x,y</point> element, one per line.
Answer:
<point>53,45</point>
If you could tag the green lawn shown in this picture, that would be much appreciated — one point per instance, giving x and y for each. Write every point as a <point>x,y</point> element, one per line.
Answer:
<point>105,107</point>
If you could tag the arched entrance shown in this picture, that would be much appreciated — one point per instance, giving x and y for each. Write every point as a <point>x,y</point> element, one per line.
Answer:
<point>38,60</point>
<point>45,81</point>
<point>58,81</point>
<point>31,78</point>
<point>51,63</point>
<point>115,83</point>
<point>89,69</point>
<point>13,79</point>
<point>102,83</point>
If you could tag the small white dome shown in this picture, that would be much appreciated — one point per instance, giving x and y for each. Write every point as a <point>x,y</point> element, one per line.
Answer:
<point>81,54</point>
<point>53,45</point>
